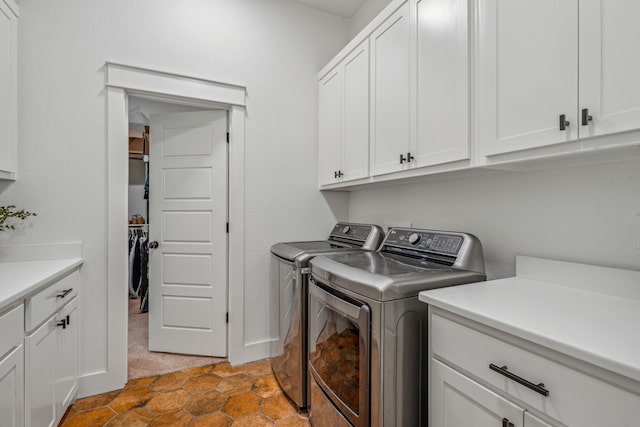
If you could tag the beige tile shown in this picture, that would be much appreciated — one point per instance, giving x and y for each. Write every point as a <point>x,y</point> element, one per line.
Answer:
<point>168,382</point>
<point>206,403</point>
<point>172,419</point>
<point>277,407</point>
<point>131,399</point>
<point>217,419</point>
<point>293,421</point>
<point>194,372</point>
<point>236,384</point>
<point>258,369</point>
<point>242,404</point>
<point>96,401</point>
<point>94,418</point>
<point>224,369</point>
<point>140,383</point>
<point>202,383</point>
<point>266,386</point>
<point>168,401</point>
<point>135,418</point>
<point>255,420</point>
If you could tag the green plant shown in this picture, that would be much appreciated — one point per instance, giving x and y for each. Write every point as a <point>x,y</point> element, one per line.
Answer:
<point>7,212</point>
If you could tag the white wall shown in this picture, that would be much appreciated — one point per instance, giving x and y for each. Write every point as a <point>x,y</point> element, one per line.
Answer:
<point>365,14</point>
<point>273,47</point>
<point>583,214</point>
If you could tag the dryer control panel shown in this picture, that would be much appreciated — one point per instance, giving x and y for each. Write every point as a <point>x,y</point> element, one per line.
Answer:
<point>423,240</point>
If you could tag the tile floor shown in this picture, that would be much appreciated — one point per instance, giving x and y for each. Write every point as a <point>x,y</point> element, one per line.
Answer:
<point>213,395</point>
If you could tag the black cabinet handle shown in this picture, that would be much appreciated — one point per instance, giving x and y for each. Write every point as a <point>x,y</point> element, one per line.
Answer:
<point>564,122</point>
<point>409,157</point>
<point>335,174</point>
<point>340,174</point>
<point>402,159</point>
<point>586,118</point>
<point>507,423</point>
<point>68,320</point>
<point>62,323</point>
<point>64,293</point>
<point>504,370</point>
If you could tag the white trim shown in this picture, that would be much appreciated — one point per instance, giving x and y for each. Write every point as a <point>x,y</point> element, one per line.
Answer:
<point>122,81</point>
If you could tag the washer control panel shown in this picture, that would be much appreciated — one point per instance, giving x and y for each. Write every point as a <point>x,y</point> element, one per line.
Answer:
<point>351,231</point>
<point>428,241</point>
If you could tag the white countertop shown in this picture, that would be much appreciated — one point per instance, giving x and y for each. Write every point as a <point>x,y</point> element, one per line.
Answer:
<point>19,279</point>
<point>592,326</point>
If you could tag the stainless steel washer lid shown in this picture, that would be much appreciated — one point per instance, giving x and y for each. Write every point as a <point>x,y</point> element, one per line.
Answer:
<point>300,253</point>
<point>386,277</point>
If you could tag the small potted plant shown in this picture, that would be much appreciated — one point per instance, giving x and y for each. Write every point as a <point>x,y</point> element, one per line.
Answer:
<point>11,212</point>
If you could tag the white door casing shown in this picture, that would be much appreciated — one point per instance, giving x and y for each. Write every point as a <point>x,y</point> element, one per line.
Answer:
<point>527,74</point>
<point>188,216</point>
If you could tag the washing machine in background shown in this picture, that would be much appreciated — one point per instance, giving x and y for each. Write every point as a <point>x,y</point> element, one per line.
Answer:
<point>367,329</point>
<point>290,273</point>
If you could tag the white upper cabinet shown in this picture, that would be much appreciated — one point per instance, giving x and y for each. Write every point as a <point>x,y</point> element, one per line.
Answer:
<point>344,119</point>
<point>609,66</point>
<point>527,74</point>
<point>390,93</point>
<point>330,131</point>
<point>442,67</point>
<point>355,147</point>
<point>8,89</point>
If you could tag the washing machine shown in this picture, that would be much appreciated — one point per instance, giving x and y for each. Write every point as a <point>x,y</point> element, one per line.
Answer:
<point>290,274</point>
<point>367,329</point>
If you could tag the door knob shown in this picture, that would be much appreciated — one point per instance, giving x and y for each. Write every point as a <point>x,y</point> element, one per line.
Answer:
<point>153,245</point>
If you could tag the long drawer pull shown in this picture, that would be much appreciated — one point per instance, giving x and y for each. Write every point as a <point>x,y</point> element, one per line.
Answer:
<point>504,370</point>
<point>64,293</point>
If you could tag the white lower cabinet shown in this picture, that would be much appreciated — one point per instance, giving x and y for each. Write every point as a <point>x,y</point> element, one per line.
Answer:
<point>51,361</point>
<point>512,383</point>
<point>12,388</point>
<point>41,375</point>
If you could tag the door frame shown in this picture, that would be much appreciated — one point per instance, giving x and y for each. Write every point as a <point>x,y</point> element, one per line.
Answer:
<point>122,81</point>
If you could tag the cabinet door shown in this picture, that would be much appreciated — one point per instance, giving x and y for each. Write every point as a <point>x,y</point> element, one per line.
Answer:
<point>8,88</point>
<point>40,376</point>
<point>527,73</point>
<point>12,389</point>
<point>442,81</point>
<point>390,74</point>
<point>355,145</point>
<point>330,131</point>
<point>67,357</point>
<point>609,66</point>
<point>458,401</point>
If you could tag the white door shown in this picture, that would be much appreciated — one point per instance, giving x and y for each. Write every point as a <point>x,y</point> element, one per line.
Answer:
<point>458,401</point>
<point>609,66</point>
<point>187,218</point>
<point>355,145</point>
<point>443,81</point>
<point>527,74</point>
<point>390,122</point>
<point>330,122</point>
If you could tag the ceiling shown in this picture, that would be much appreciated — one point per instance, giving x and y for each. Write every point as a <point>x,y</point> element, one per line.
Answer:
<point>344,8</point>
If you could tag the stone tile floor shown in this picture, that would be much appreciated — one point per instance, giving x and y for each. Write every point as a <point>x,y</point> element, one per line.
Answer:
<point>213,395</point>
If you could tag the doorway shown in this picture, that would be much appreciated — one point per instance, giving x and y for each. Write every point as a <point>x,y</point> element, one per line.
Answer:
<point>177,291</point>
<point>123,81</point>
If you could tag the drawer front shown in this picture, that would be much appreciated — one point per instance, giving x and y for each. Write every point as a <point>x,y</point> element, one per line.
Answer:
<point>46,302</point>
<point>575,399</point>
<point>12,327</point>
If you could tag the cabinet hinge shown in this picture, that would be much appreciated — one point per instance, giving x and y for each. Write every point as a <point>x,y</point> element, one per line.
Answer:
<point>227,228</point>
<point>227,137</point>
<point>227,317</point>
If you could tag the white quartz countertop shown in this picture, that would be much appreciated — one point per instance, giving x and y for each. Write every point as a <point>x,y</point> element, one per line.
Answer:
<point>595,327</point>
<point>19,279</point>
